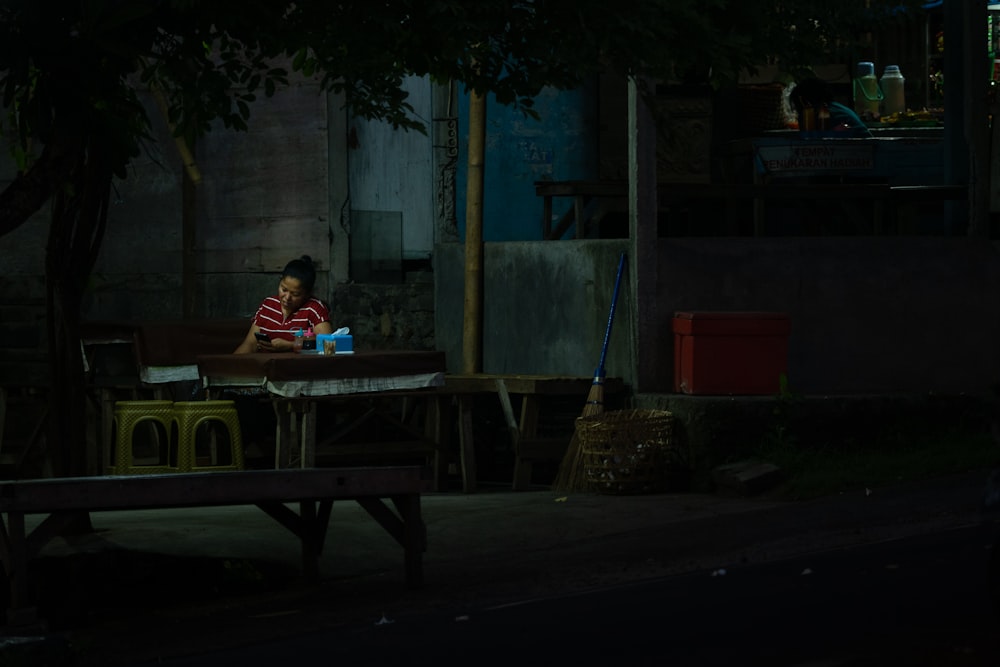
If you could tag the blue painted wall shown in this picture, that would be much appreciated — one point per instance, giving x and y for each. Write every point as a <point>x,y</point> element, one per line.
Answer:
<point>561,145</point>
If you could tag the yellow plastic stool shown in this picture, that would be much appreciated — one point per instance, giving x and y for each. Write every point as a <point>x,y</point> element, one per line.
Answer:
<point>151,421</point>
<point>196,428</point>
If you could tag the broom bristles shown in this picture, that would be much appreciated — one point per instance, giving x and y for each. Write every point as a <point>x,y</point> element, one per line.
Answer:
<point>568,475</point>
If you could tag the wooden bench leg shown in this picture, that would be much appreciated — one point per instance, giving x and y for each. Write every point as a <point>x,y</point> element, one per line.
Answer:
<point>3,414</point>
<point>522,469</point>
<point>309,525</point>
<point>311,547</point>
<point>467,449</point>
<point>14,554</point>
<point>407,527</point>
<point>521,432</point>
<point>527,434</point>
<point>414,537</point>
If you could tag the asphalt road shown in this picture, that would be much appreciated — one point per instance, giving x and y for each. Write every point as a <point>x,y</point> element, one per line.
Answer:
<point>914,601</point>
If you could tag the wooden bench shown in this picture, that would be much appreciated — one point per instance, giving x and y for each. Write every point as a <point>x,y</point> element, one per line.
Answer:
<point>64,499</point>
<point>526,442</point>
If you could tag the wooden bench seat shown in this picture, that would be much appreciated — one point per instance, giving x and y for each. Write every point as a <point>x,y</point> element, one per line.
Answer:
<point>63,499</point>
<point>527,443</point>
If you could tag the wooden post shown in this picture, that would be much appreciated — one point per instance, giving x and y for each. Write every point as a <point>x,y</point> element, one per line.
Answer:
<point>472,338</point>
<point>965,127</point>
<point>643,235</point>
<point>974,75</point>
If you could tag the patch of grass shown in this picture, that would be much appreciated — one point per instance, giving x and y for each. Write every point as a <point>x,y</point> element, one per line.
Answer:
<point>814,471</point>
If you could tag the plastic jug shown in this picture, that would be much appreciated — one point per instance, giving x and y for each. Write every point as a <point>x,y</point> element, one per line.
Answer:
<point>867,94</point>
<point>892,90</point>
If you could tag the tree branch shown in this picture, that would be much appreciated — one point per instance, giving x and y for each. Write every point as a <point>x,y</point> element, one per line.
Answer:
<point>30,190</point>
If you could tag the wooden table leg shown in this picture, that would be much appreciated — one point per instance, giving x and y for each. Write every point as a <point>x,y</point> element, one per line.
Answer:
<point>282,433</point>
<point>307,435</point>
<point>436,430</point>
<point>295,434</point>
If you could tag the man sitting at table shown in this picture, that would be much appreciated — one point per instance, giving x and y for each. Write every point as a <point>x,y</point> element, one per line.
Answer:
<point>814,95</point>
<point>293,308</point>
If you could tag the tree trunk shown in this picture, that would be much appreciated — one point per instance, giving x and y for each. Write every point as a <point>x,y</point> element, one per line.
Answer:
<point>79,216</point>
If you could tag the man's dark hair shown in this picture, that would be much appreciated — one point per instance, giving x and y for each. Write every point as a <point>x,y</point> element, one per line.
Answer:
<point>810,92</point>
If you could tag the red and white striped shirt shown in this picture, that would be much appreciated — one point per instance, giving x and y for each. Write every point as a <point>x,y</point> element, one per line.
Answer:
<point>272,322</point>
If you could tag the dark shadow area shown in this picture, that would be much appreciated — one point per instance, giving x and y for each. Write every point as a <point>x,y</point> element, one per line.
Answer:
<point>79,589</point>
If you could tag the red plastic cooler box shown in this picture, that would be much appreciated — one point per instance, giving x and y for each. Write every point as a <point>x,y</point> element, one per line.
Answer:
<point>730,352</point>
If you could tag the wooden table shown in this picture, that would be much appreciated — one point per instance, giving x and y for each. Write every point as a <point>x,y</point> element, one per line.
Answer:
<point>528,446</point>
<point>168,350</point>
<point>296,383</point>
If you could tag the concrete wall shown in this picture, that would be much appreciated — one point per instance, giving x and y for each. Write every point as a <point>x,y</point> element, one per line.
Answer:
<point>545,304</point>
<point>888,314</point>
<point>384,316</point>
<point>868,315</point>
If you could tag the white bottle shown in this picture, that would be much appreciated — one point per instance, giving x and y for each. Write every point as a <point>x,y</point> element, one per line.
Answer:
<point>892,91</point>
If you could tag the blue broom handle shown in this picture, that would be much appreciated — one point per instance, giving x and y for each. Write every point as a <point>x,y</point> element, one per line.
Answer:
<point>611,315</point>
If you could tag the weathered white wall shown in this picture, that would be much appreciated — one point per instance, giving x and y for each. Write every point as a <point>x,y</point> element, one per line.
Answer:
<point>391,173</point>
<point>545,307</point>
<point>264,199</point>
<point>911,315</point>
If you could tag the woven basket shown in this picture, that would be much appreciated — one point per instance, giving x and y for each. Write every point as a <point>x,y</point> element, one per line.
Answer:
<point>625,451</point>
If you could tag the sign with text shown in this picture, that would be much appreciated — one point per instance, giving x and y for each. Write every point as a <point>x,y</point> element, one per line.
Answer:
<point>812,157</point>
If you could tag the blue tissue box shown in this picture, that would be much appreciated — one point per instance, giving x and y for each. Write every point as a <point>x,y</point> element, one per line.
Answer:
<point>345,343</point>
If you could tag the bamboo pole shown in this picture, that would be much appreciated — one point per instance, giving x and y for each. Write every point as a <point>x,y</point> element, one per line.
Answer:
<point>189,246</point>
<point>473,321</point>
<point>187,157</point>
<point>190,181</point>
